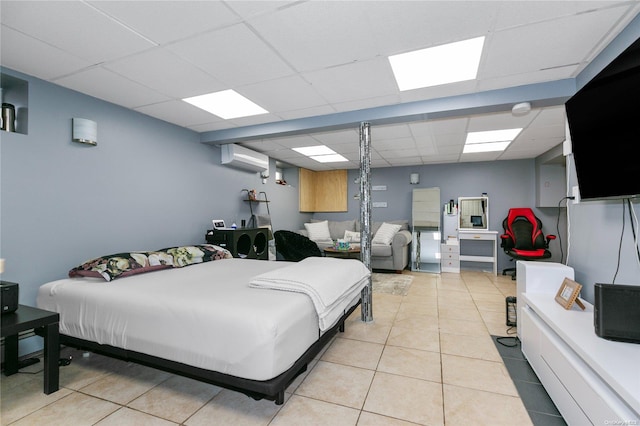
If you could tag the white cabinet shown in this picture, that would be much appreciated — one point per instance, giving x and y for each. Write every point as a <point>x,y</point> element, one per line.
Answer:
<point>538,277</point>
<point>590,380</point>
<point>450,261</point>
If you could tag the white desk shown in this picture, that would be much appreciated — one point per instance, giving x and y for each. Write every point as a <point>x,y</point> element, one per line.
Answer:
<point>491,236</point>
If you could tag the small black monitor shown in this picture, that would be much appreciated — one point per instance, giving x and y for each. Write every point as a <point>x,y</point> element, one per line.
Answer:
<point>476,220</point>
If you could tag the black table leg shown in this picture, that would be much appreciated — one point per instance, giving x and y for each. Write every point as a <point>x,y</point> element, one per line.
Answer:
<point>51,355</point>
<point>10,355</point>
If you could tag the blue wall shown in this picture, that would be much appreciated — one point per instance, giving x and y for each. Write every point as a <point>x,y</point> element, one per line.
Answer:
<point>147,184</point>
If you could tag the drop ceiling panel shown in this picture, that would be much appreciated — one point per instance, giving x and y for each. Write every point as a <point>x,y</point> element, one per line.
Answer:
<point>164,72</point>
<point>548,44</point>
<point>166,21</point>
<point>177,111</point>
<point>326,34</point>
<point>12,48</point>
<point>358,80</point>
<point>106,40</point>
<point>217,53</point>
<point>295,94</point>
<point>427,23</point>
<point>303,59</point>
<point>110,87</point>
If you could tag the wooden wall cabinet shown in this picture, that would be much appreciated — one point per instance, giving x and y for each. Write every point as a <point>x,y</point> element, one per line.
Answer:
<point>323,191</point>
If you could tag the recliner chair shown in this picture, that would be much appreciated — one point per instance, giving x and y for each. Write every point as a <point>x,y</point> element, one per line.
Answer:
<point>523,238</point>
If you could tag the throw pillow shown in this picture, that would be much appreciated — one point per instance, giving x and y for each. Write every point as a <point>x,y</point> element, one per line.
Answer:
<point>352,236</point>
<point>385,233</point>
<point>318,231</point>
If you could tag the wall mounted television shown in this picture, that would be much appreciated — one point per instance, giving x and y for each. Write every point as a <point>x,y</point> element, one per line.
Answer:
<point>604,124</point>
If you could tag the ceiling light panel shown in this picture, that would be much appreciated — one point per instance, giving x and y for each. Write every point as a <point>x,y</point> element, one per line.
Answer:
<point>226,104</point>
<point>485,147</point>
<point>314,150</point>
<point>437,65</point>
<point>492,136</point>
<point>332,158</point>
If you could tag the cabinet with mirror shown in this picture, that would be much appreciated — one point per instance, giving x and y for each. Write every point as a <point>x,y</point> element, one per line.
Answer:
<point>473,214</point>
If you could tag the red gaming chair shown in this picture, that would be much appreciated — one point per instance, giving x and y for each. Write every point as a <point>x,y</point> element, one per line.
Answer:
<point>523,238</point>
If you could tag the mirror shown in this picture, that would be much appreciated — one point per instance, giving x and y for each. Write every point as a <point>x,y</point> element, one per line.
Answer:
<point>473,213</point>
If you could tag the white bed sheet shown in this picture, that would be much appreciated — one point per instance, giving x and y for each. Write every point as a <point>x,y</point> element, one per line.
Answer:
<point>202,315</point>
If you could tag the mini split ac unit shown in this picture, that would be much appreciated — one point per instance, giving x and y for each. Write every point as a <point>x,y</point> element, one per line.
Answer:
<point>243,158</point>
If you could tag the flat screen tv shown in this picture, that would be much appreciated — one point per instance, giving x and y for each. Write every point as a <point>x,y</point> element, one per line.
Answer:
<point>604,124</point>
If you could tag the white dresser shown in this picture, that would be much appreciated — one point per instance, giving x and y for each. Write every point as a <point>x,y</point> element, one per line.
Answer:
<point>450,258</point>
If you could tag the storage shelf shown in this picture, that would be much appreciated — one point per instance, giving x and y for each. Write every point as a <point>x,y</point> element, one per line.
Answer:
<point>15,91</point>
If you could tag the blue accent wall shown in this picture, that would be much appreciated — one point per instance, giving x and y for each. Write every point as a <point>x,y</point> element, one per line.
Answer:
<point>148,184</point>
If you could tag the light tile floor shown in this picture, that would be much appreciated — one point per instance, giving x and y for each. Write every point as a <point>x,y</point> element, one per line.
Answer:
<point>428,358</point>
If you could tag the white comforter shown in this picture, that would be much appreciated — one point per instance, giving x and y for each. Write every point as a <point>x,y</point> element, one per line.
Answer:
<point>203,315</point>
<point>331,283</point>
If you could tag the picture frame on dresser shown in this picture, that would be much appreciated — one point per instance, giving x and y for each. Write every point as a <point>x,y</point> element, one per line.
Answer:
<point>568,293</point>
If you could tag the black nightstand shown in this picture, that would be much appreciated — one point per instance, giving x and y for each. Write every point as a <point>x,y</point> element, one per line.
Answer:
<point>44,323</point>
<point>245,243</point>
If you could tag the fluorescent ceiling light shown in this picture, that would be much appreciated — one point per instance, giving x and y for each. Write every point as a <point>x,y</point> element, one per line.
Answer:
<point>485,147</point>
<point>321,154</point>
<point>226,104</point>
<point>332,158</point>
<point>314,150</point>
<point>488,141</point>
<point>492,136</point>
<point>443,64</point>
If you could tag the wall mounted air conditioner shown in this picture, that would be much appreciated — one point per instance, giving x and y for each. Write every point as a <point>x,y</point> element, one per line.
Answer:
<point>243,158</point>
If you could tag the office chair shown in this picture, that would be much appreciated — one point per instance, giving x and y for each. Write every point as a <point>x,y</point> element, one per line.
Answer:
<point>294,247</point>
<point>523,238</point>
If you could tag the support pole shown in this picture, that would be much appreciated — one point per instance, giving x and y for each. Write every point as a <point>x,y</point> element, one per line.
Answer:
<point>365,217</point>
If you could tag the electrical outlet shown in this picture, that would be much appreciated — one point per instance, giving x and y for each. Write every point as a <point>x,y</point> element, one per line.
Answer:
<point>575,193</point>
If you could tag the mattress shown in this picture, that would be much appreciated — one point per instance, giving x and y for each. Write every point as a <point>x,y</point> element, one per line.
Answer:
<point>203,315</point>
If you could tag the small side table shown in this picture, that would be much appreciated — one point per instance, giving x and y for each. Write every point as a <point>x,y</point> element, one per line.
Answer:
<point>45,322</point>
<point>345,254</point>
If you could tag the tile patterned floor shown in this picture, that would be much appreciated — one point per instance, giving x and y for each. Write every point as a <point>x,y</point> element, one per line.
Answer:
<point>428,358</point>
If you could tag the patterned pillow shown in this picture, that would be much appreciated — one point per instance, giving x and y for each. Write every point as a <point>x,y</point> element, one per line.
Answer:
<point>121,265</point>
<point>352,236</point>
<point>385,233</point>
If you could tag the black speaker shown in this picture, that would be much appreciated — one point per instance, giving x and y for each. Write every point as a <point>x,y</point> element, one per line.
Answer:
<point>9,293</point>
<point>616,312</point>
<point>245,243</point>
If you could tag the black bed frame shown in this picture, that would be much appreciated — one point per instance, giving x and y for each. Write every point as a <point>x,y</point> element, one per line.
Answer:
<point>272,389</point>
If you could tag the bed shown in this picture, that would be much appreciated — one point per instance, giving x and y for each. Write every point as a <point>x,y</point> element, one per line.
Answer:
<point>243,324</point>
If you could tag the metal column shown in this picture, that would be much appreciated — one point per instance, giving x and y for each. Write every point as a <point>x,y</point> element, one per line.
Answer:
<point>365,217</point>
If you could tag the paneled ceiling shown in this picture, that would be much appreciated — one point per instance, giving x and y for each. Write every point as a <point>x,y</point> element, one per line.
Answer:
<point>319,67</point>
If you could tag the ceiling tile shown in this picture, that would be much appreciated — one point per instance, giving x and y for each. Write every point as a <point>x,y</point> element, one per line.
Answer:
<point>236,48</point>
<point>12,48</point>
<point>111,87</point>
<point>164,72</point>
<point>165,21</point>
<point>107,39</point>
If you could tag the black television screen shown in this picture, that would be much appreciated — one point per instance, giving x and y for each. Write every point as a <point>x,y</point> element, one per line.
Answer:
<point>604,124</point>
